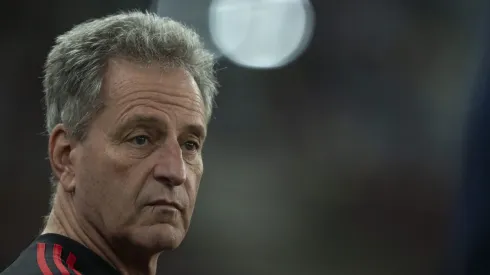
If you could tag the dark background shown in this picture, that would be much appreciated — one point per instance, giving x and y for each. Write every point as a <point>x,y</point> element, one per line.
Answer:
<point>345,161</point>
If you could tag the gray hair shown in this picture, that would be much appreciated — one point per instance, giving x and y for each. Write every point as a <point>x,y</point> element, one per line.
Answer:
<point>76,64</point>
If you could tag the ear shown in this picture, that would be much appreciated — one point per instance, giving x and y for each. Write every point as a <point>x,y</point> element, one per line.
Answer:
<point>60,149</point>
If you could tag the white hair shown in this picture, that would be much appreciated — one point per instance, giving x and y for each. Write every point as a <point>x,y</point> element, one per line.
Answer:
<point>76,64</point>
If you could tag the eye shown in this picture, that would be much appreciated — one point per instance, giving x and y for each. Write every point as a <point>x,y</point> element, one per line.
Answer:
<point>140,140</point>
<point>191,146</point>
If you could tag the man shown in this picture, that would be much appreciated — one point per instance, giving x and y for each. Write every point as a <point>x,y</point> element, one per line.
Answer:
<point>128,99</point>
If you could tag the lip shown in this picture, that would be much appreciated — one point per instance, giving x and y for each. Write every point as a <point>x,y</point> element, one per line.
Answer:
<point>167,203</point>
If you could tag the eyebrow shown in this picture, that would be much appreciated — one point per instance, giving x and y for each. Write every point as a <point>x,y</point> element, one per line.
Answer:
<point>195,129</point>
<point>140,120</point>
<point>145,120</point>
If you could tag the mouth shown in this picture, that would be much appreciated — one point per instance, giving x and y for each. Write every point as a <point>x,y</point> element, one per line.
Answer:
<point>167,203</point>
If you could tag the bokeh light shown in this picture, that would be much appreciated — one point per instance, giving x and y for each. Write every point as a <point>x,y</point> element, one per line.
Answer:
<point>261,33</point>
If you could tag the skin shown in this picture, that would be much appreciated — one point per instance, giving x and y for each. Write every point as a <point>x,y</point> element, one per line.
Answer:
<point>145,145</point>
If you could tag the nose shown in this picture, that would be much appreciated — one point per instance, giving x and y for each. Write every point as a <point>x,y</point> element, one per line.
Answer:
<point>170,168</point>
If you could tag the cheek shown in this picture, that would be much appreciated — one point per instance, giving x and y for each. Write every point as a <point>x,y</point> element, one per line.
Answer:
<point>194,180</point>
<point>103,191</point>
<point>94,179</point>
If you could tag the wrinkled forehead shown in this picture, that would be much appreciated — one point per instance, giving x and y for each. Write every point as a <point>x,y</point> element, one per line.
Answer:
<point>123,77</point>
<point>131,87</point>
<point>122,69</point>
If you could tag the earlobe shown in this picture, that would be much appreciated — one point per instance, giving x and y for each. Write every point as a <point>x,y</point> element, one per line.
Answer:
<point>60,149</point>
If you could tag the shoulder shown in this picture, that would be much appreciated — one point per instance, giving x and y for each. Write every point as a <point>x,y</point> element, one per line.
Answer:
<point>41,259</point>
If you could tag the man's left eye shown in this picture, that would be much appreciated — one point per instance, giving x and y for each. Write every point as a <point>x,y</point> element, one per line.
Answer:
<point>191,146</point>
<point>140,140</point>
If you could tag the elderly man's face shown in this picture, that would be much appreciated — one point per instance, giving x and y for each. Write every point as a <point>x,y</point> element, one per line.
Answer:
<point>138,171</point>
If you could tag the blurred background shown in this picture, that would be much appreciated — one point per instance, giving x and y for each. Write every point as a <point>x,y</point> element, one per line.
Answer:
<point>336,144</point>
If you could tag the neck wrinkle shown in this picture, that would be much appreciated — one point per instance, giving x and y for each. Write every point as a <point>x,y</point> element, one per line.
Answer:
<point>62,220</point>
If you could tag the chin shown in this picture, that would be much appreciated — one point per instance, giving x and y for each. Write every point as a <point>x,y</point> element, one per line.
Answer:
<point>161,237</point>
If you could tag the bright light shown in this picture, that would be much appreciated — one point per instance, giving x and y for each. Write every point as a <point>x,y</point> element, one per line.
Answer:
<point>261,33</point>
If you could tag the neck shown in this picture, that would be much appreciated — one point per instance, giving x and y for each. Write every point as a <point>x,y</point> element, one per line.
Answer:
<point>63,220</point>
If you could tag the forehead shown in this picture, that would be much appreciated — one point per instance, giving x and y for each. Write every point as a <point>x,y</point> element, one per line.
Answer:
<point>130,87</point>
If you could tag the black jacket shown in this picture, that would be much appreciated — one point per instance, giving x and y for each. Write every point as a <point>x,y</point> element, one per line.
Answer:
<point>52,254</point>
